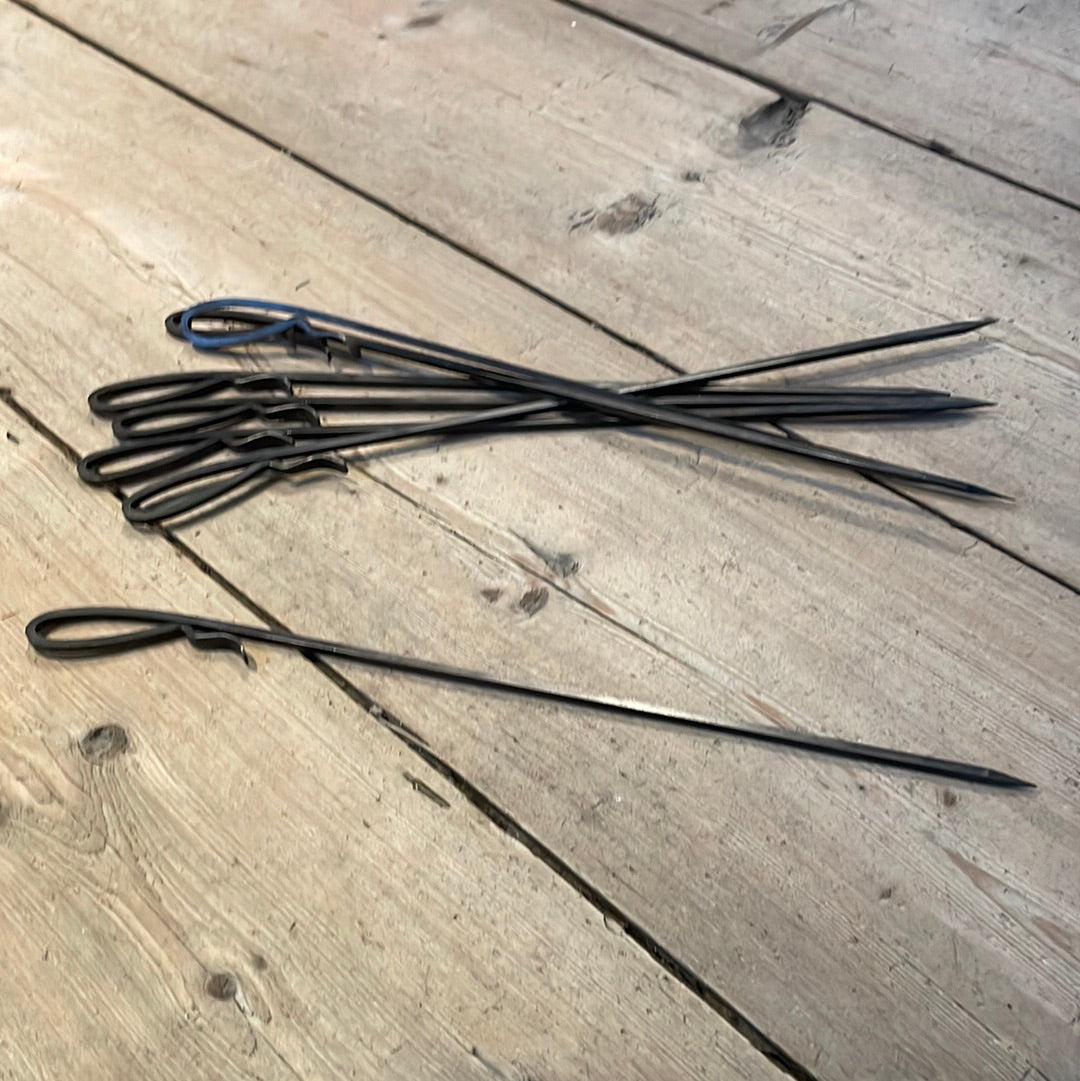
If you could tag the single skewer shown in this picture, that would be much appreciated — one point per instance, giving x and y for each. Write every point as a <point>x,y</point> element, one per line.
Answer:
<point>194,415</point>
<point>156,627</point>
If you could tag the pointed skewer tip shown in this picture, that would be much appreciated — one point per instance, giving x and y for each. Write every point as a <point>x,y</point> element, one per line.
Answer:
<point>985,321</point>
<point>979,492</point>
<point>1007,780</point>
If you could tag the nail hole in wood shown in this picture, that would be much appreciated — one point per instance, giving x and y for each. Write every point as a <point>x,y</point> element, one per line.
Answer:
<point>771,125</point>
<point>533,600</point>
<point>105,741</point>
<point>222,986</point>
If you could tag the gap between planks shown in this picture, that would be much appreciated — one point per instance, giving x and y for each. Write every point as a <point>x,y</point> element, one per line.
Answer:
<point>532,288</point>
<point>500,818</point>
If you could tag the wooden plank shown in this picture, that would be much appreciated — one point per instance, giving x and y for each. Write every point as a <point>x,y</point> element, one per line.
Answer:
<point>215,873</point>
<point>670,229</point>
<point>825,903</point>
<point>992,83</point>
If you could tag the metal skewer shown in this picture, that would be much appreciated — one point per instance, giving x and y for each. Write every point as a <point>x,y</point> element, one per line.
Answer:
<point>155,627</point>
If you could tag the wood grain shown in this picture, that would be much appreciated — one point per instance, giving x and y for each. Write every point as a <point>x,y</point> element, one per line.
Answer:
<point>635,186</point>
<point>825,903</point>
<point>991,82</point>
<point>216,873</point>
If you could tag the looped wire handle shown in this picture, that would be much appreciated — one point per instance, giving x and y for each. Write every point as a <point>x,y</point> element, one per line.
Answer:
<point>152,503</point>
<point>156,627</point>
<point>259,323</point>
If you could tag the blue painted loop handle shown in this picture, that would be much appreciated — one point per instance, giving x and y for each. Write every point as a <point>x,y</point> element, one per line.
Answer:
<point>291,320</point>
<point>286,318</point>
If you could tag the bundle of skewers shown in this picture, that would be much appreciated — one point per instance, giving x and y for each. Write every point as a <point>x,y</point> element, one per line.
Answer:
<point>187,440</point>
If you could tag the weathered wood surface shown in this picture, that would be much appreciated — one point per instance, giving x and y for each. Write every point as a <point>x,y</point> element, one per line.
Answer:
<point>838,909</point>
<point>627,181</point>
<point>990,81</point>
<point>241,874</point>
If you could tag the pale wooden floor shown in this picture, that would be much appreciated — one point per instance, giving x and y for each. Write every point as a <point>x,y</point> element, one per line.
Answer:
<point>267,883</point>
